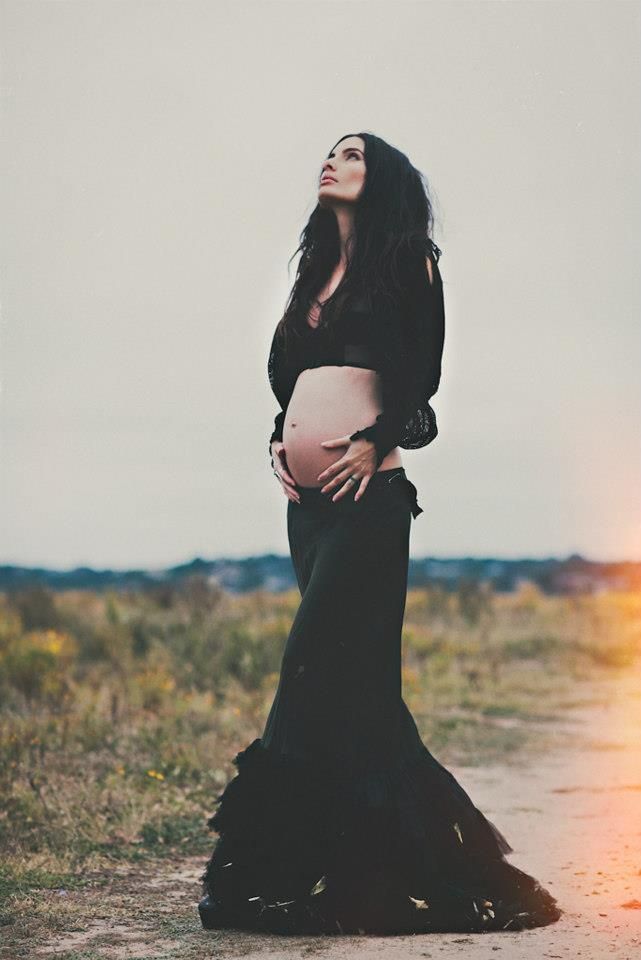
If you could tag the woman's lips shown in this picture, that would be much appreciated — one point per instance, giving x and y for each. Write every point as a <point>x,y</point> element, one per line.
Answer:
<point>328,180</point>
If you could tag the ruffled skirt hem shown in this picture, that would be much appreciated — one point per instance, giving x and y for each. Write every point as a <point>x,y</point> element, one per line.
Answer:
<point>311,850</point>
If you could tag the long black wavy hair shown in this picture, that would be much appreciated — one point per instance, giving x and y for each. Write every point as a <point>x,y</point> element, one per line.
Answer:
<point>393,223</point>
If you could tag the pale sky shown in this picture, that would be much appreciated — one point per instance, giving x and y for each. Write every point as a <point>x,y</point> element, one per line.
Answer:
<point>159,161</point>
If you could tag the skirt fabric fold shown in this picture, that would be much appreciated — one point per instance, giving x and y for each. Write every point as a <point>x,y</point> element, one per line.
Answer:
<point>339,819</point>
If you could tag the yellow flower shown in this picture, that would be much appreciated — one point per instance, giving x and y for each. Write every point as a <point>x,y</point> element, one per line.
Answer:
<point>53,642</point>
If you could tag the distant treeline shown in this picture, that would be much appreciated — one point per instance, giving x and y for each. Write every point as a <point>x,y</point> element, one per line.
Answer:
<point>553,576</point>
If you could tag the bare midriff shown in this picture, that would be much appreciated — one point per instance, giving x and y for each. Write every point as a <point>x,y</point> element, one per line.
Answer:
<point>327,403</point>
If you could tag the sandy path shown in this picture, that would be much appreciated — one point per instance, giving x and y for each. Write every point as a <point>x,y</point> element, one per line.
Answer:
<point>573,817</point>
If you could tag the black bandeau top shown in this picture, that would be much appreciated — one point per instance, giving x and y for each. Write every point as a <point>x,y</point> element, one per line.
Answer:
<point>409,364</point>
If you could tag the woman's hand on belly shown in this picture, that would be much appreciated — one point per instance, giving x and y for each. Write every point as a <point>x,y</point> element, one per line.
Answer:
<point>358,461</point>
<point>279,463</point>
<point>326,404</point>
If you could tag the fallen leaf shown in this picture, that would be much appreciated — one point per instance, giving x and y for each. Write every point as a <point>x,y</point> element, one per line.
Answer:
<point>420,904</point>
<point>319,886</point>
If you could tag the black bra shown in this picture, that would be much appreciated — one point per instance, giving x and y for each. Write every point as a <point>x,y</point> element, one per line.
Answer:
<point>351,355</point>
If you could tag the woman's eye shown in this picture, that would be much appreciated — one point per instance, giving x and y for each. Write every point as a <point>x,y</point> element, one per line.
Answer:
<point>349,156</point>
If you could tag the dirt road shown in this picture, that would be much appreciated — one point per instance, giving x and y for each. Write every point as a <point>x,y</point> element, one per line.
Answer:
<point>572,815</point>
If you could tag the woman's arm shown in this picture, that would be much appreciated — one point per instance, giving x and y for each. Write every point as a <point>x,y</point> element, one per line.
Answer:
<point>281,379</point>
<point>277,433</point>
<point>411,373</point>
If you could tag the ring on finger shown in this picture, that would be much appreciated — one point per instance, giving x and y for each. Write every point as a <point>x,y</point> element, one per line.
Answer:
<point>347,483</point>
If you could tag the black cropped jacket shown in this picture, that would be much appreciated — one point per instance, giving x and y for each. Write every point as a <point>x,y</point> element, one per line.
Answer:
<point>405,346</point>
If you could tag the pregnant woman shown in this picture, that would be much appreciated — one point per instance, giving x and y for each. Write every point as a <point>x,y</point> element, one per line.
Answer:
<point>339,819</point>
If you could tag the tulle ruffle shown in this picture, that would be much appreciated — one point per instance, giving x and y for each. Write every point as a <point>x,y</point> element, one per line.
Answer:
<point>304,849</point>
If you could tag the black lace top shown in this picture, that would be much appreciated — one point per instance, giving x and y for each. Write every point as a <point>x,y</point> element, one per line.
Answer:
<point>406,350</point>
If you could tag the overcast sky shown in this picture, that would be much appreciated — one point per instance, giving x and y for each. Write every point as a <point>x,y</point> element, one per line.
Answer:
<point>159,161</point>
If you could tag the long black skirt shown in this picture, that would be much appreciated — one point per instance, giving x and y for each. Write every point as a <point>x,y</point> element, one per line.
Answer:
<point>339,819</point>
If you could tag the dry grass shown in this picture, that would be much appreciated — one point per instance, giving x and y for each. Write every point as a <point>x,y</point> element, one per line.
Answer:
<point>121,714</point>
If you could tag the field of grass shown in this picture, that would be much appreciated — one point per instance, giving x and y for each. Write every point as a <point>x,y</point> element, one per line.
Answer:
<point>121,712</point>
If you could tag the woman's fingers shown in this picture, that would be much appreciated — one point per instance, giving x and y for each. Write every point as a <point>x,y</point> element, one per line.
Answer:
<point>342,491</point>
<point>363,487</point>
<point>361,455</point>
<point>330,472</point>
<point>337,478</point>
<point>290,490</point>
<point>284,472</point>
<point>288,477</point>
<point>347,485</point>
<point>285,478</point>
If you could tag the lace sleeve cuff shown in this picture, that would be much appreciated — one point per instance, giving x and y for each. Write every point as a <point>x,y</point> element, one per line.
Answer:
<point>277,433</point>
<point>375,434</point>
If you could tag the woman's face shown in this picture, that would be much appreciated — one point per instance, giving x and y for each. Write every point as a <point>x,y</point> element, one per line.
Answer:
<point>346,166</point>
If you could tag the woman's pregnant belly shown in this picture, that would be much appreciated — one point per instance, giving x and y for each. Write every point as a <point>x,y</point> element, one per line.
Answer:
<point>326,403</point>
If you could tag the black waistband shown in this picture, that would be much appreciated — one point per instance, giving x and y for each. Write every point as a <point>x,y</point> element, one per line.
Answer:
<point>378,479</point>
